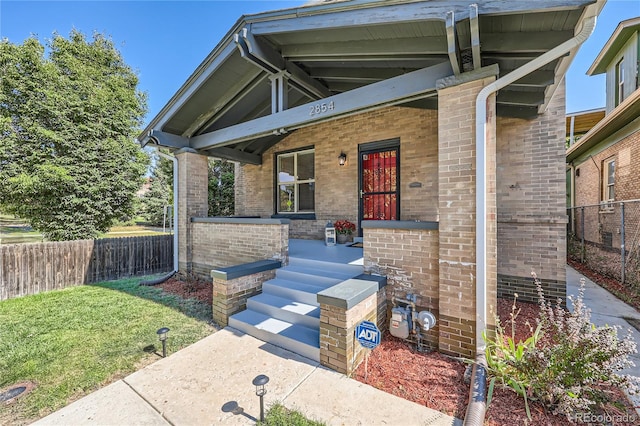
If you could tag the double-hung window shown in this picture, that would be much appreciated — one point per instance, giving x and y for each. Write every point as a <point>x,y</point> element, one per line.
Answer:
<point>620,82</point>
<point>609,179</point>
<point>295,175</point>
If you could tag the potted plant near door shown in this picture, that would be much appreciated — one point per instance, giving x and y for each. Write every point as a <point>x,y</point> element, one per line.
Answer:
<point>344,229</point>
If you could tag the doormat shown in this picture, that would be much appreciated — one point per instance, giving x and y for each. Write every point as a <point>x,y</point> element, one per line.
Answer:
<point>356,245</point>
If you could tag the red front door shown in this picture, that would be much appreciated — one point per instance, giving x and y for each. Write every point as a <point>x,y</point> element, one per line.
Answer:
<point>379,185</point>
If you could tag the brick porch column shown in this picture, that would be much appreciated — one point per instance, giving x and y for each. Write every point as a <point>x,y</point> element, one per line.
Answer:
<point>193,195</point>
<point>342,308</point>
<point>457,208</point>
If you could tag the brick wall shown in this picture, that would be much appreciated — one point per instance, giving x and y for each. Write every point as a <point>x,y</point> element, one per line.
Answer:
<point>600,223</point>
<point>457,205</point>
<point>339,349</point>
<point>216,245</point>
<point>193,195</point>
<point>336,193</point>
<point>532,202</point>
<point>230,296</point>
<point>626,152</point>
<point>409,260</point>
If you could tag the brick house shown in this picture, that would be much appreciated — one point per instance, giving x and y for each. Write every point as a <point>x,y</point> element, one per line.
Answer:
<point>603,162</point>
<point>435,126</point>
<point>602,166</point>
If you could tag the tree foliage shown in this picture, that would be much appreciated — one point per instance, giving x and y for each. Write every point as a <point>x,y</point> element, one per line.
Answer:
<point>68,114</point>
<point>160,193</point>
<point>221,188</point>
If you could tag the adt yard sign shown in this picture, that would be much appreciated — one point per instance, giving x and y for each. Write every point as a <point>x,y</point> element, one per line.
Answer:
<point>368,334</point>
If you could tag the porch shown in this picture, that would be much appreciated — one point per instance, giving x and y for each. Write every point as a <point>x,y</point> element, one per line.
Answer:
<point>437,130</point>
<point>293,306</point>
<point>308,297</point>
<point>317,250</point>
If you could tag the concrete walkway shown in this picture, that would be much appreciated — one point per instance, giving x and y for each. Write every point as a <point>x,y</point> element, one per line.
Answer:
<point>606,309</point>
<point>209,381</point>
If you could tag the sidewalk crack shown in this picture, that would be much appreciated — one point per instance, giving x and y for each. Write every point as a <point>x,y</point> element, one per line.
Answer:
<point>304,379</point>
<point>148,402</point>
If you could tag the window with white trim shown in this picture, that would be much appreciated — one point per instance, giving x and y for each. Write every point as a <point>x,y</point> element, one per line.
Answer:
<point>619,81</point>
<point>608,179</point>
<point>295,175</point>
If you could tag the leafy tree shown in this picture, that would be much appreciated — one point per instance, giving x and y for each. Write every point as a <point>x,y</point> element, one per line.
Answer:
<point>154,201</point>
<point>68,161</point>
<point>160,192</point>
<point>221,188</point>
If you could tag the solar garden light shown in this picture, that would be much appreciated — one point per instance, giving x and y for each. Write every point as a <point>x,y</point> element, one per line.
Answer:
<point>162,335</point>
<point>259,382</point>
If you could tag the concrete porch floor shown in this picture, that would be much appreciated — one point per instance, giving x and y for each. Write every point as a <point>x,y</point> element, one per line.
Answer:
<point>317,250</point>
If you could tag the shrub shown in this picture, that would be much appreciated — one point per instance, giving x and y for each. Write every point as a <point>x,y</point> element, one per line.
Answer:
<point>567,362</point>
<point>505,357</point>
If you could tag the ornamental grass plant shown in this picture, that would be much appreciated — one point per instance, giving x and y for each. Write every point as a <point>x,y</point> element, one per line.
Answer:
<point>567,363</point>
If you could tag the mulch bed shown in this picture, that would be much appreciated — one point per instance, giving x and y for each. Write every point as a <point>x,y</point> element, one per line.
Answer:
<point>435,380</point>
<point>430,379</point>
<point>189,289</point>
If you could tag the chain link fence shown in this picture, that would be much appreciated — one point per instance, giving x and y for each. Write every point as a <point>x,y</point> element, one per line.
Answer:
<point>606,237</point>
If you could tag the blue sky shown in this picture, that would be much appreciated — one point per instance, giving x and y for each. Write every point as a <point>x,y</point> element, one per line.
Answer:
<point>166,40</point>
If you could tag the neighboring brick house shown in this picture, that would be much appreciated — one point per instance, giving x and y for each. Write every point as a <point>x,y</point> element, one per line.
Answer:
<point>604,162</point>
<point>603,166</point>
<point>404,93</point>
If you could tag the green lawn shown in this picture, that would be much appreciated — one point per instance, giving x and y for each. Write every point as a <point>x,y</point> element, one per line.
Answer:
<point>279,415</point>
<point>74,341</point>
<point>14,231</point>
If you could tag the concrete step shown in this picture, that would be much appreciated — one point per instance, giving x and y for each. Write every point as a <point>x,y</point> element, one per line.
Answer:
<point>296,338</point>
<point>286,309</point>
<point>308,276</point>
<point>344,268</point>
<point>296,291</point>
<point>287,313</point>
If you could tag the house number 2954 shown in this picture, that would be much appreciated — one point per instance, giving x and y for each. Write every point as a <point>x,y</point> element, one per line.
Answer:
<point>320,108</point>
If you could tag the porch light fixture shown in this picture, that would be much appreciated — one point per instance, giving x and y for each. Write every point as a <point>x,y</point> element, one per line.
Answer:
<point>259,382</point>
<point>342,159</point>
<point>162,335</point>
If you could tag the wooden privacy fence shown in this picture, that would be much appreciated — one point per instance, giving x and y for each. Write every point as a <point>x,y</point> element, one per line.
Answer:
<point>37,267</point>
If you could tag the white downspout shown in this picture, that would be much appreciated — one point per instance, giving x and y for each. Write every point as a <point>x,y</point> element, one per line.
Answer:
<point>175,206</point>
<point>588,24</point>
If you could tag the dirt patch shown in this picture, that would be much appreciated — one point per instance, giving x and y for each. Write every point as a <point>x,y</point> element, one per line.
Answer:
<point>437,381</point>
<point>189,289</point>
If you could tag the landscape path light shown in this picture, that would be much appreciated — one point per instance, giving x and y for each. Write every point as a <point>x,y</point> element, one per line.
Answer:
<point>162,335</point>
<point>259,382</point>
